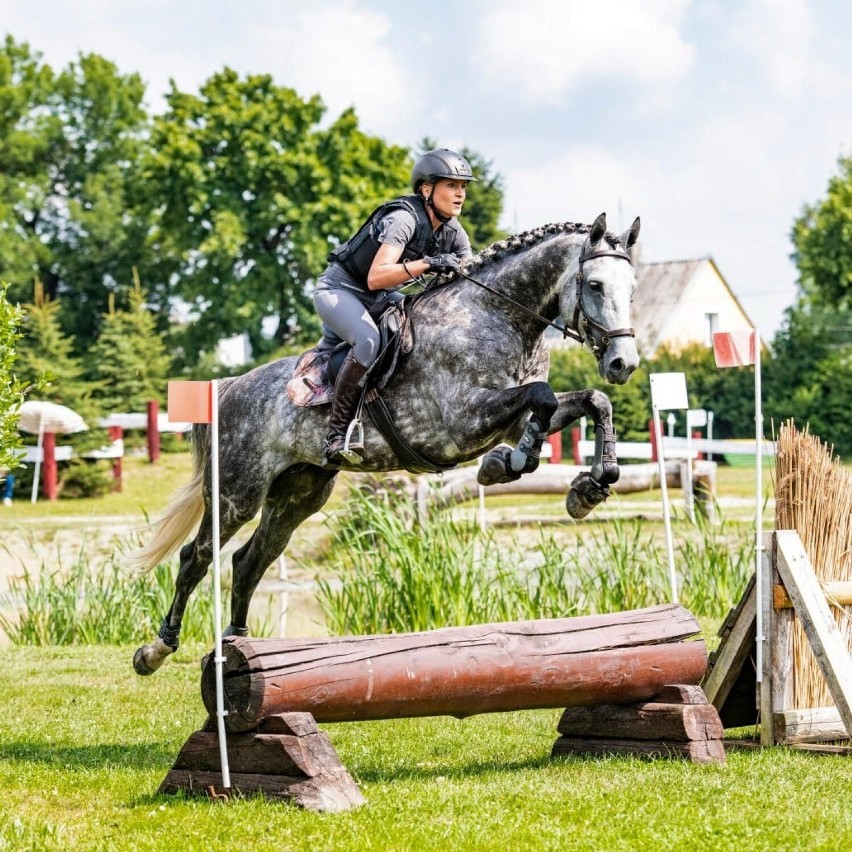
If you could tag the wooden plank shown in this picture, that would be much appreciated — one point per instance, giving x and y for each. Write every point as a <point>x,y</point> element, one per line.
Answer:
<point>819,724</point>
<point>810,748</point>
<point>700,751</point>
<point>837,593</point>
<point>782,666</point>
<point>825,638</point>
<point>764,692</point>
<point>649,721</point>
<point>732,653</point>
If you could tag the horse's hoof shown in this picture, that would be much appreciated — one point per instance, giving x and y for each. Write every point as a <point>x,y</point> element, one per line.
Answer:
<point>495,469</point>
<point>140,666</point>
<point>584,495</point>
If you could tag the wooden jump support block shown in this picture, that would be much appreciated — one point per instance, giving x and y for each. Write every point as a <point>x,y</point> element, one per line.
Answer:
<point>286,758</point>
<point>679,722</point>
<point>276,689</point>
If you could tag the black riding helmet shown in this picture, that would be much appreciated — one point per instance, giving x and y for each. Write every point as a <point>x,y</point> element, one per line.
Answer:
<point>440,163</point>
<point>436,164</point>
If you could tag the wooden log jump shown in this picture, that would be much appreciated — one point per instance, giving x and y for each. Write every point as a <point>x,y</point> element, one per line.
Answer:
<point>627,679</point>
<point>460,671</point>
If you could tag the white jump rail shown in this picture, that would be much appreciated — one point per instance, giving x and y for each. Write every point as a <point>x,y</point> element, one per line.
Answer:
<point>676,448</point>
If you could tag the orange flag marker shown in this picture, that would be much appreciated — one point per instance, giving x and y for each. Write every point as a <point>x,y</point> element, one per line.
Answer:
<point>190,402</point>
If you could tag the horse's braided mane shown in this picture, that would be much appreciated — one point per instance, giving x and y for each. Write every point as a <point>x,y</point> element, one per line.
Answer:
<point>529,238</point>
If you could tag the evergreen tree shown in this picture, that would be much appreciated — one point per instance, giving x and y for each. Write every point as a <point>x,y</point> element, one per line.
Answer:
<point>46,353</point>
<point>129,363</point>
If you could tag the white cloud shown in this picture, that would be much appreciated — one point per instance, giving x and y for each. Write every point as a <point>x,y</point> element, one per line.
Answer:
<point>341,52</point>
<point>576,185</point>
<point>779,34</point>
<point>543,49</point>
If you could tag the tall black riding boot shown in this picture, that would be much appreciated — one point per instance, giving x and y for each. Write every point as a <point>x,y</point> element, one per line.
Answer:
<point>347,392</point>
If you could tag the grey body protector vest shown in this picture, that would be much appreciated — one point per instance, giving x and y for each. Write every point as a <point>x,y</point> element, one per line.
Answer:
<point>357,253</point>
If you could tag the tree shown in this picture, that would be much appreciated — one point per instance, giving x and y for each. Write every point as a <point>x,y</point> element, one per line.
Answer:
<point>254,194</point>
<point>129,363</point>
<point>46,354</point>
<point>11,388</point>
<point>69,189</point>
<point>822,236</point>
<point>484,204</point>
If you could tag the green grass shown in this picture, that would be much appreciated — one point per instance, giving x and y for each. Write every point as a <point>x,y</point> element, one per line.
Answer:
<point>146,488</point>
<point>84,743</point>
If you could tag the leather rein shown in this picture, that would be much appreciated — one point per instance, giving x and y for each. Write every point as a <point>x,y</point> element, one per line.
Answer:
<point>583,328</point>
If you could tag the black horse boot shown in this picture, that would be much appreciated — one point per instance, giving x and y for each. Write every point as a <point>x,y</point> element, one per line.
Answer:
<point>347,392</point>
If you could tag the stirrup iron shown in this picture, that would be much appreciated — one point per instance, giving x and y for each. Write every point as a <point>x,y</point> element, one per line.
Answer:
<point>351,449</point>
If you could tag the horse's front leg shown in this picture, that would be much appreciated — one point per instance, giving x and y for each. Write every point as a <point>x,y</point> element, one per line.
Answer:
<point>589,488</point>
<point>501,412</point>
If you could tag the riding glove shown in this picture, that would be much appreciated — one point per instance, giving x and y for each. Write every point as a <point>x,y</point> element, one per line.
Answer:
<point>443,263</point>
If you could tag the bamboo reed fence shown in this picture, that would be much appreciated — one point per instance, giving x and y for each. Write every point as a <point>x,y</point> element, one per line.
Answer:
<point>813,495</point>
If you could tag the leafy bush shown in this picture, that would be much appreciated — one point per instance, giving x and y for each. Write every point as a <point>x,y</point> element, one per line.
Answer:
<point>81,478</point>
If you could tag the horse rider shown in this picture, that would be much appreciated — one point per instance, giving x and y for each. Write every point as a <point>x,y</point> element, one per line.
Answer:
<point>402,239</point>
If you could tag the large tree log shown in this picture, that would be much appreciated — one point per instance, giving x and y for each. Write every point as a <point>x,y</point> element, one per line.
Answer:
<point>617,658</point>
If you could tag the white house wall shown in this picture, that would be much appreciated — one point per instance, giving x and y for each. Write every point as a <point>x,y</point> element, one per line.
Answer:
<point>705,294</point>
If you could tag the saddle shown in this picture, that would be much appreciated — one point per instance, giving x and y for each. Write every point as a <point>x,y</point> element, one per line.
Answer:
<point>316,370</point>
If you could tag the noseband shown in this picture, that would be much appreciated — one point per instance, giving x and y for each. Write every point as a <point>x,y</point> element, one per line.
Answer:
<point>584,328</point>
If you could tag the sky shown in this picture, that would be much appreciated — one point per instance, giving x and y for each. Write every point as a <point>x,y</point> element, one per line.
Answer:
<point>715,121</point>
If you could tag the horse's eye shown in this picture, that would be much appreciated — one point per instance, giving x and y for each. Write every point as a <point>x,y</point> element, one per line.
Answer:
<point>595,285</point>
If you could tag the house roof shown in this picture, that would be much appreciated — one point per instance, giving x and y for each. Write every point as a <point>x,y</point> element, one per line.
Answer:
<point>660,288</point>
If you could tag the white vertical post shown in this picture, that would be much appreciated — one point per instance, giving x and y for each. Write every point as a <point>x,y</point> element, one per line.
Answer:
<point>758,509</point>
<point>219,658</point>
<point>709,433</point>
<point>483,523</point>
<point>39,454</point>
<point>668,391</point>
<point>687,474</point>
<point>667,520</point>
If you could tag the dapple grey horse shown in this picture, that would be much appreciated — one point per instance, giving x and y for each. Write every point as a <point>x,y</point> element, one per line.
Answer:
<point>476,376</point>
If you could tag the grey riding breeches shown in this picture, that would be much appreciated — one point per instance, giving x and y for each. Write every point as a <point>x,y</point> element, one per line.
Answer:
<point>347,317</point>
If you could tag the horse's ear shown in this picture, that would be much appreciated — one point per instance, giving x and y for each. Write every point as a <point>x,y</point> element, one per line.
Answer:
<point>598,230</point>
<point>629,237</point>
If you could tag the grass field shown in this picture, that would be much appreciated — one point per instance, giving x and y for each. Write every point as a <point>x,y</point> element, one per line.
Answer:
<point>84,743</point>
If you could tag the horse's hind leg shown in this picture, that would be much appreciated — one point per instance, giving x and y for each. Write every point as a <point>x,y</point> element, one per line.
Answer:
<point>295,494</point>
<point>195,559</point>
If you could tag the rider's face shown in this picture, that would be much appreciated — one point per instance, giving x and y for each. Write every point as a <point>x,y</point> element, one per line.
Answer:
<point>448,196</point>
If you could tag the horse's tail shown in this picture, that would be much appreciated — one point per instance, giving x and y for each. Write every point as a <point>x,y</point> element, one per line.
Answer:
<point>181,515</point>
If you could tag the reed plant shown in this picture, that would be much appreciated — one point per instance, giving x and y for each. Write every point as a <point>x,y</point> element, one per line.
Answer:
<point>90,602</point>
<point>392,571</point>
<point>395,574</point>
<point>717,560</point>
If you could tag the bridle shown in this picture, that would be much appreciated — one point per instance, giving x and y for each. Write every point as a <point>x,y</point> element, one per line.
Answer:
<point>583,328</point>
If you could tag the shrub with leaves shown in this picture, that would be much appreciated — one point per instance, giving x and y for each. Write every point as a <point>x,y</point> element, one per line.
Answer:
<point>11,389</point>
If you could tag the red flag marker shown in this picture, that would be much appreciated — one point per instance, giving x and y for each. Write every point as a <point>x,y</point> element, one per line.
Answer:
<point>734,348</point>
<point>190,402</point>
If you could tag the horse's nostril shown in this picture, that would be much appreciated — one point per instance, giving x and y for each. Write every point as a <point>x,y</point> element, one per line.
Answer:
<point>617,365</point>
